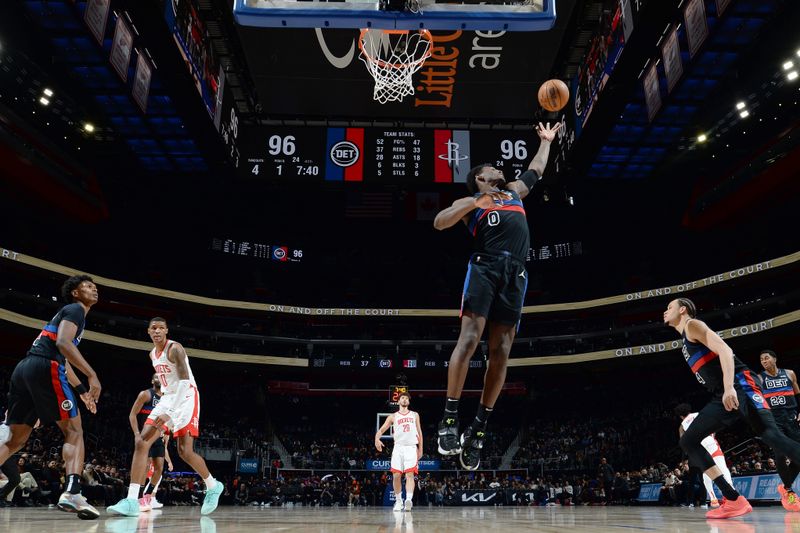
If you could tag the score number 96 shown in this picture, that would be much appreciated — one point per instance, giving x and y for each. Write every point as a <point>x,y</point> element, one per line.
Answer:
<point>517,150</point>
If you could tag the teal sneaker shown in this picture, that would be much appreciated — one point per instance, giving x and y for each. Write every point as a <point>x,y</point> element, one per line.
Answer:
<point>125,507</point>
<point>122,525</point>
<point>211,499</point>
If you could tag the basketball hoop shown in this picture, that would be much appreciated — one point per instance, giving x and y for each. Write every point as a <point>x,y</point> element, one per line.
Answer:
<point>392,57</point>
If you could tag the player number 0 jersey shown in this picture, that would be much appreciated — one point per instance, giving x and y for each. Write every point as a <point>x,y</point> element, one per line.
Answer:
<point>167,371</point>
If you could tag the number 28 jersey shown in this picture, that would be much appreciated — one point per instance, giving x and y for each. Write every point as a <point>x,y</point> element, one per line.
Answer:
<point>404,429</point>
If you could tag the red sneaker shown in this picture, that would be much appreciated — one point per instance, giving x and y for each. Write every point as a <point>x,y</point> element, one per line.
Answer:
<point>731,508</point>
<point>789,499</point>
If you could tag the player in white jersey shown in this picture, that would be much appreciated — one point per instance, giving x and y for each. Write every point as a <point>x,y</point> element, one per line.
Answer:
<point>178,411</point>
<point>407,434</point>
<point>712,447</point>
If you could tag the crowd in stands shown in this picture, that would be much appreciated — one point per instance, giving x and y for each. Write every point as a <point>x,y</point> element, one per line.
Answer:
<point>562,459</point>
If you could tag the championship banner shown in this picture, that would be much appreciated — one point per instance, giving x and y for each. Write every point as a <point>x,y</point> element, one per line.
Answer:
<point>121,48</point>
<point>671,58</point>
<point>141,81</point>
<point>601,57</point>
<point>96,18</point>
<point>694,15</point>
<point>652,92</point>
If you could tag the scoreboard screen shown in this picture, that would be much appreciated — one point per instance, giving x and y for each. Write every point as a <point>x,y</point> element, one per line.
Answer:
<point>380,154</point>
<point>395,391</point>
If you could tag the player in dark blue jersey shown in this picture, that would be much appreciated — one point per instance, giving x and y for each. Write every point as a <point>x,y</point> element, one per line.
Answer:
<point>43,387</point>
<point>736,395</point>
<point>145,402</point>
<point>781,391</point>
<point>494,289</point>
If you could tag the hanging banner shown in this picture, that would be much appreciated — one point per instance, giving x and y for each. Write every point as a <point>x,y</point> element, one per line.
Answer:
<point>652,92</point>
<point>141,81</point>
<point>96,17</point>
<point>121,48</point>
<point>671,57</point>
<point>722,5</point>
<point>694,15</point>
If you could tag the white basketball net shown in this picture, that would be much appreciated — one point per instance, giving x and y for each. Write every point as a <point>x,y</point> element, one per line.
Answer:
<point>392,57</point>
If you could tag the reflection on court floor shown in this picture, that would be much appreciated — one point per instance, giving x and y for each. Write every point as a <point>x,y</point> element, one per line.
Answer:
<point>421,520</point>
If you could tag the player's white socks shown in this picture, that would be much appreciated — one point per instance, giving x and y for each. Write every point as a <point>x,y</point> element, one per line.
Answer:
<point>133,491</point>
<point>409,495</point>
<point>210,482</point>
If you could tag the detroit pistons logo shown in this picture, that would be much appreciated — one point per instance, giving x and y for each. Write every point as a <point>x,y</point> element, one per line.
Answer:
<point>66,405</point>
<point>757,398</point>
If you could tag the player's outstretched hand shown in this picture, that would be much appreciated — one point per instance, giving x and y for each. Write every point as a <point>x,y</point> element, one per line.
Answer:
<point>94,388</point>
<point>379,445</point>
<point>89,402</point>
<point>546,133</point>
<point>487,199</point>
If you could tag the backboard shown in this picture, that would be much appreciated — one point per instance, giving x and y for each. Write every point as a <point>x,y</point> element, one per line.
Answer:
<point>485,15</point>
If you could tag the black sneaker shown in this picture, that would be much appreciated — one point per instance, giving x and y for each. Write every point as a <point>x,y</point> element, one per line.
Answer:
<point>471,445</point>
<point>448,436</point>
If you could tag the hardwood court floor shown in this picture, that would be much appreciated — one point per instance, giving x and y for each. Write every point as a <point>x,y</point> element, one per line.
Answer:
<point>420,520</point>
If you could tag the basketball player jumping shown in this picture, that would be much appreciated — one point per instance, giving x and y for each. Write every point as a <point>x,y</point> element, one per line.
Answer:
<point>684,411</point>
<point>781,390</point>
<point>494,289</point>
<point>178,411</point>
<point>737,395</point>
<point>145,402</point>
<point>407,433</point>
<point>42,388</point>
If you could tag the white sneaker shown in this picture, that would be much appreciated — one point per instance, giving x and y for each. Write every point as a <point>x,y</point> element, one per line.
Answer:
<point>409,505</point>
<point>398,505</point>
<point>155,504</point>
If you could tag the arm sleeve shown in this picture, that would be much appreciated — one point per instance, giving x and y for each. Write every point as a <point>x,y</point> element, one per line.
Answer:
<point>529,178</point>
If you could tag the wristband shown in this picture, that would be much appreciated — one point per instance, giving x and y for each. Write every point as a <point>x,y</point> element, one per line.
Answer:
<point>80,388</point>
<point>529,178</point>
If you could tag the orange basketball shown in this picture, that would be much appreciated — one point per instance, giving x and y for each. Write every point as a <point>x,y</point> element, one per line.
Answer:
<point>553,95</point>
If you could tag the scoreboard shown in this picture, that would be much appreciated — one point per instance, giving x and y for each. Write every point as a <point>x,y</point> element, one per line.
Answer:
<point>394,393</point>
<point>380,154</point>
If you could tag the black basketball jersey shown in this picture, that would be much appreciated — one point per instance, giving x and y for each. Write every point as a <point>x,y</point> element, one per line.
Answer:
<point>45,343</point>
<point>148,407</point>
<point>778,390</point>
<point>706,366</point>
<point>502,228</point>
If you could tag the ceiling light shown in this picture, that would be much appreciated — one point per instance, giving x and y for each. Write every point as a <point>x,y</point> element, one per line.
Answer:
<point>702,138</point>
<point>744,114</point>
<point>48,92</point>
<point>88,127</point>
<point>740,106</point>
<point>788,65</point>
<point>44,101</point>
<point>792,75</point>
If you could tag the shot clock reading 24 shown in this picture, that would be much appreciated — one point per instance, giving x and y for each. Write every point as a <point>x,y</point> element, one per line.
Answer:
<point>380,154</point>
